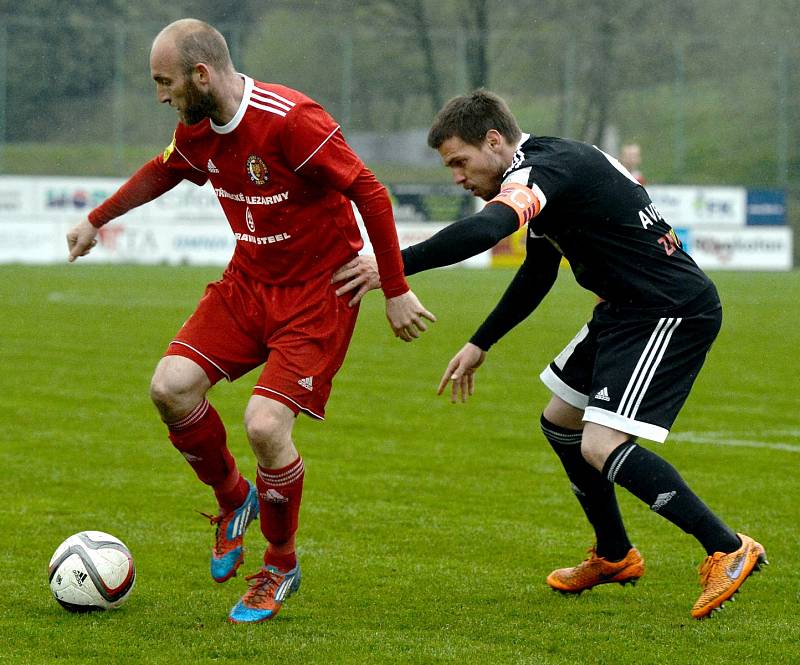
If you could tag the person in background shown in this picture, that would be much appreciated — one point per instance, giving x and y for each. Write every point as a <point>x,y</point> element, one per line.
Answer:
<point>630,156</point>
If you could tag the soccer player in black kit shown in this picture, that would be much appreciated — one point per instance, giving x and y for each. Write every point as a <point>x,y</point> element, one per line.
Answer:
<point>629,370</point>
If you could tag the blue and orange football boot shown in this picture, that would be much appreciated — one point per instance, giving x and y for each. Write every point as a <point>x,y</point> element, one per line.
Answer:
<point>227,554</point>
<point>269,587</point>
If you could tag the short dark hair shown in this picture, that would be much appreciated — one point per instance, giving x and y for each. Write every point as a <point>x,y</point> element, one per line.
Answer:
<point>470,116</point>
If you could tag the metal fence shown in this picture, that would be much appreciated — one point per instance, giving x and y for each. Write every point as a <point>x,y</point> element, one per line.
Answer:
<point>703,112</point>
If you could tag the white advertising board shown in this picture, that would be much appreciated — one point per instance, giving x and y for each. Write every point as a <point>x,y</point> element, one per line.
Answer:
<point>751,248</point>
<point>187,226</point>
<point>45,199</point>
<point>119,242</point>
<point>184,226</point>
<point>686,206</point>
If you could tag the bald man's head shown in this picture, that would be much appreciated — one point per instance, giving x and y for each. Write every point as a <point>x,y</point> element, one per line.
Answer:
<point>192,68</point>
<point>192,42</point>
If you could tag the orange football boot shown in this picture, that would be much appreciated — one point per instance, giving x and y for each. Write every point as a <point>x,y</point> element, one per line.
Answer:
<point>721,575</point>
<point>597,570</point>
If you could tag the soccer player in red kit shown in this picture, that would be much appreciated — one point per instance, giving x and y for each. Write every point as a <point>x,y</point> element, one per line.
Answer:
<point>285,178</point>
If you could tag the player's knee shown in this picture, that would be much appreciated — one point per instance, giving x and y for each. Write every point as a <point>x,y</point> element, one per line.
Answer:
<point>592,454</point>
<point>266,429</point>
<point>162,391</point>
<point>599,442</point>
<point>172,393</point>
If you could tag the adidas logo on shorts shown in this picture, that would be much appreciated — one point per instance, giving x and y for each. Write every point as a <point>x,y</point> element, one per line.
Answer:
<point>307,383</point>
<point>603,395</point>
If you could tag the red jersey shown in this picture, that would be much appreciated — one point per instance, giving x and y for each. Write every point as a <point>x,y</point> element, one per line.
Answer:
<point>279,169</point>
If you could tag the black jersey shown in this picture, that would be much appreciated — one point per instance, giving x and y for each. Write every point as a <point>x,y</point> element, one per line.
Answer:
<point>603,221</point>
<point>580,203</point>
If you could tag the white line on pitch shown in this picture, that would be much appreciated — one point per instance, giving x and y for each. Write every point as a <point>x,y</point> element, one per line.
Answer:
<point>722,439</point>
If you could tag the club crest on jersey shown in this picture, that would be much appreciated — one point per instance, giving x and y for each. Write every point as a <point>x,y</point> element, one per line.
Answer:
<point>257,170</point>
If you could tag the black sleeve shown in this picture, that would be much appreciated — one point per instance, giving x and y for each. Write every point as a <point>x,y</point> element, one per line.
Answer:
<point>530,285</point>
<point>462,239</point>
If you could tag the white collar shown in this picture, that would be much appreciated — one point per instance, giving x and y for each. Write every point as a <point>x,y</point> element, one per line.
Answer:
<point>237,118</point>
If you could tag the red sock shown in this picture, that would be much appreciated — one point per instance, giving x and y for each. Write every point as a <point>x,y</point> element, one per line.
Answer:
<point>279,494</point>
<point>201,438</point>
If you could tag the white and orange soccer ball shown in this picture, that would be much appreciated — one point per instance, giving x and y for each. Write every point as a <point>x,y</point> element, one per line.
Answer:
<point>91,570</point>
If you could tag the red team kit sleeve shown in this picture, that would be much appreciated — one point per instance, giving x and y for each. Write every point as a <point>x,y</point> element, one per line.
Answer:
<point>148,183</point>
<point>375,207</point>
<point>314,141</point>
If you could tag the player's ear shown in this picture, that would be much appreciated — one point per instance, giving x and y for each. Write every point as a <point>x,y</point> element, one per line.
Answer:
<point>494,140</point>
<point>200,74</point>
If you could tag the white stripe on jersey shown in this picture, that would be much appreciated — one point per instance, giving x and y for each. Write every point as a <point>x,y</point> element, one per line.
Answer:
<point>521,176</point>
<point>186,159</point>
<point>618,165</point>
<point>519,156</point>
<point>271,98</point>
<point>539,195</point>
<point>264,107</point>
<point>646,367</point>
<point>327,138</point>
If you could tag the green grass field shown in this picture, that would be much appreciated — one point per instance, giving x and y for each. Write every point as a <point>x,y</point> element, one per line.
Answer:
<point>427,528</point>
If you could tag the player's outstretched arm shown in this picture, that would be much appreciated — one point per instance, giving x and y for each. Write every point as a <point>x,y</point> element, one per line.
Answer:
<point>81,238</point>
<point>461,371</point>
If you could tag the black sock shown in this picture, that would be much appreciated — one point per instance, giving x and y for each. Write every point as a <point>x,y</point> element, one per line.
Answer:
<point>656,482</point>
<point>594,493</point>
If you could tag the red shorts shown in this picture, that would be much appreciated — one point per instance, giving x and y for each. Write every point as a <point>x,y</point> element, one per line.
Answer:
<point>300,332</point>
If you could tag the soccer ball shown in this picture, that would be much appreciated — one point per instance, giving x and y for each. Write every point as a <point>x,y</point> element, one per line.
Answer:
<point>91,570</point>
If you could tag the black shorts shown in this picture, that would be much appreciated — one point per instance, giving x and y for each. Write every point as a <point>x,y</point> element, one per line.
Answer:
<point>631,371</point>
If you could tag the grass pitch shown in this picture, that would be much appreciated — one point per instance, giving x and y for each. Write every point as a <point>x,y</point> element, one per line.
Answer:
<point>427,528</point>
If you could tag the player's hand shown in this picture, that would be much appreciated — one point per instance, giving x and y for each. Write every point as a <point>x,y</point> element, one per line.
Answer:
<point>461,371</point>
<point>81,239</point>
<point>406,314</point>
<point>362,273</point>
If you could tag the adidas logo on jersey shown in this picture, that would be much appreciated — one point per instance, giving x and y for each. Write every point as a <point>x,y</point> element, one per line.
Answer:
<point>307,383</point>
<point>603,395</point>
<point>211,167</point>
